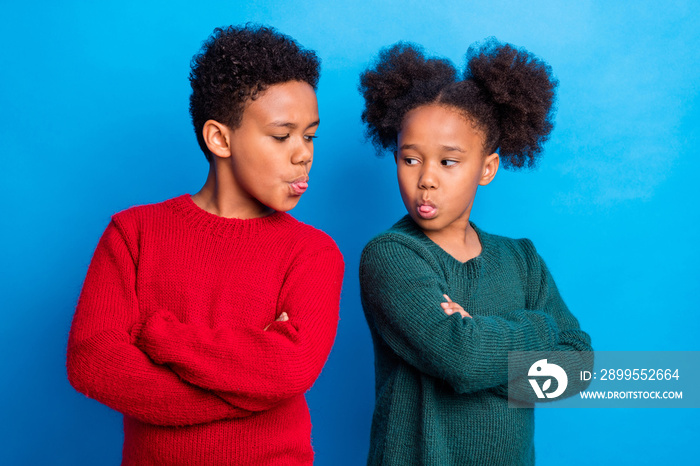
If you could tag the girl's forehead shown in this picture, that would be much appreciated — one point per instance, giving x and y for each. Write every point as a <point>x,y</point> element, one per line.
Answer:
<point>438,125</point>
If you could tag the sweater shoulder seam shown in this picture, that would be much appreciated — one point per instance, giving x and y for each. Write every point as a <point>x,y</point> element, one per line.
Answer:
<point>405,240</point>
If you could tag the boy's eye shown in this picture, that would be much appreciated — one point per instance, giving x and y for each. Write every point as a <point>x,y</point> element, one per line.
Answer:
<point>410,161</point>
<point>282,138</point>
<point>448,163</point>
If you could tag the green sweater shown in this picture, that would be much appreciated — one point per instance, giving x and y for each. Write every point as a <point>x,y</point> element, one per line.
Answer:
<point>442,381</point>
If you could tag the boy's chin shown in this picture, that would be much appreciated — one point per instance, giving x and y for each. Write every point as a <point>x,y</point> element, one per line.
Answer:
<point>284,206</point>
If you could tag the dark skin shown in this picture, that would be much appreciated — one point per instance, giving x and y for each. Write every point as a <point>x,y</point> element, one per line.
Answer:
<point>440,164</point>
<point>263,165</point>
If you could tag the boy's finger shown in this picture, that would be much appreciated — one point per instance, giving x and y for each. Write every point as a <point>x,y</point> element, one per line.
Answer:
<point>447,298</point>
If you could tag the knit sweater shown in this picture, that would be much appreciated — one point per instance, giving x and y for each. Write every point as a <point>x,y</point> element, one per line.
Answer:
<point>442,381</point>
<point>170,330</point>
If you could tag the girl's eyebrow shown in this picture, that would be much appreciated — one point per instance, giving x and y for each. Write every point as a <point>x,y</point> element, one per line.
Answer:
<point>290,125</point>
<point>444,148</point>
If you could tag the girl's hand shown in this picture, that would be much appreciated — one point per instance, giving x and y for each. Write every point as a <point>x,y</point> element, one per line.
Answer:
<point>282,318</point>
<point>451,307</point>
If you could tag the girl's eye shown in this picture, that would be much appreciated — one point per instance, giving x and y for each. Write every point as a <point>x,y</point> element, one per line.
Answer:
<point>448,163</point>
<point>310,137</point>
<point>282,138</point>
<point>410,161</point>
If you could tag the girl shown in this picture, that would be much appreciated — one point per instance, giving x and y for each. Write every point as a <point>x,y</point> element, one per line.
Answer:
<point>444,300</point>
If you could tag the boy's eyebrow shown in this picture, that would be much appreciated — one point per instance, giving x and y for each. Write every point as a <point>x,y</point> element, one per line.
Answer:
<point>290,125</point>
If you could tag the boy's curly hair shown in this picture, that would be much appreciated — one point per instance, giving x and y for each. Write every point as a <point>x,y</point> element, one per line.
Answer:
<point>506,92</point>
<point>235,64</point>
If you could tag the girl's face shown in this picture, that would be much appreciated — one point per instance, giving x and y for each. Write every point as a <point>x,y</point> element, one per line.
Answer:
<point>440,162</point>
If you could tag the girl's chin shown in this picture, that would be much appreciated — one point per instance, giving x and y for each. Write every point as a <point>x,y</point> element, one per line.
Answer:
<point>424,223</point>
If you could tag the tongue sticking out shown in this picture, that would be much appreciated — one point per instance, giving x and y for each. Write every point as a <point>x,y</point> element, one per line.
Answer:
<point>299,187</point>
<point>426,211</point>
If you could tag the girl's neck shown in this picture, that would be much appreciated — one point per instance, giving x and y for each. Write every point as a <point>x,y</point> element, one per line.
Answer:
<point>463,243</point>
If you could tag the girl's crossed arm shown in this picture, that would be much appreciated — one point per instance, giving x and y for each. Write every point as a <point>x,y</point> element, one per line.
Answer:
<point>402,291</point>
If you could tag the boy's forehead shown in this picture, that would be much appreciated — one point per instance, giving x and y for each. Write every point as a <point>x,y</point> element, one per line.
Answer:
<point>292,102</point>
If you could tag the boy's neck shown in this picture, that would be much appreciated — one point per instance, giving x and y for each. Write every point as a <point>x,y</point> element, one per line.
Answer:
<point>220,196</point>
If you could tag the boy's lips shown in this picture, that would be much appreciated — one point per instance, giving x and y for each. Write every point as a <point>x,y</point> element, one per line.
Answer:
<point>299,185</point>
<point>427,210</point>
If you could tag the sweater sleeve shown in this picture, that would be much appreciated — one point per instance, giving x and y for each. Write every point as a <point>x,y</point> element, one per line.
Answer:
<point>573,354</point>
<point>401,294</point>
<point>254,368</point>
<point>573,351</point>
<point>104,364</point>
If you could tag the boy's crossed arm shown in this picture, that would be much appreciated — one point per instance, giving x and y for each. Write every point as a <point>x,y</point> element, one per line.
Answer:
<point>253,368</point>
<point>103,362</point>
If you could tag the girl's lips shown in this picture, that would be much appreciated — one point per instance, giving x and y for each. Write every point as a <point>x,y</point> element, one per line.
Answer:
<point>427,211</point>
<point>299,187</point>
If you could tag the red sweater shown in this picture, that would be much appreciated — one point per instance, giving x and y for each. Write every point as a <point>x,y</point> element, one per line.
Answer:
<point>169,331</point>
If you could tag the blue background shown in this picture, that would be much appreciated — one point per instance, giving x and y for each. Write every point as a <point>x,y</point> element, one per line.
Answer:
<point>94,119</point>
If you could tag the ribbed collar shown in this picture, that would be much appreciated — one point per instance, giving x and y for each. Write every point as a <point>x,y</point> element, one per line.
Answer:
<point>473,267</point>
<point>205,221</point>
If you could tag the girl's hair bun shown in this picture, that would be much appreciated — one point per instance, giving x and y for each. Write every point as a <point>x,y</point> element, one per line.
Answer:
<point>401,79</point>
<point>521,88</point>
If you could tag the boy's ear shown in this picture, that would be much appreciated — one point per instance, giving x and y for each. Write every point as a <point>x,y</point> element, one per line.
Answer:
<point>217,138</point>
<point>491,163</point>
<point>396,156</point>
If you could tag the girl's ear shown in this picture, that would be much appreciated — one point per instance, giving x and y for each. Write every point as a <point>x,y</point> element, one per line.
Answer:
<point>216,136</point>
<point>491,163</point>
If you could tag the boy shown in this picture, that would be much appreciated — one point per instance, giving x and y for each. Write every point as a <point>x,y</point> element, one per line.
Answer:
<point>205,318</point>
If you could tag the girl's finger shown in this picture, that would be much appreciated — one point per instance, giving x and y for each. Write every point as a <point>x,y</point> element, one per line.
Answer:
<point>451,305</point>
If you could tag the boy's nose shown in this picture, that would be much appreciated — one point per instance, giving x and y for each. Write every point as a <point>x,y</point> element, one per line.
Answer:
<point>303,153</point>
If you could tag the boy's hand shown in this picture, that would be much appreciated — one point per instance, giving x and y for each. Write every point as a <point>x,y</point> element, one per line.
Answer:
<point>450,307</point>
<point>282,318</point>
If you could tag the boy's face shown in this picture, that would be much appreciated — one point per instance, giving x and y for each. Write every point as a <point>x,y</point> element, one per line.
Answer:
<point>272,150</point>
<point>440,164</point>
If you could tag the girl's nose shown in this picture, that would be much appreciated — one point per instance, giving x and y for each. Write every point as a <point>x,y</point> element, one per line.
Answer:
<point>428,179</point>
